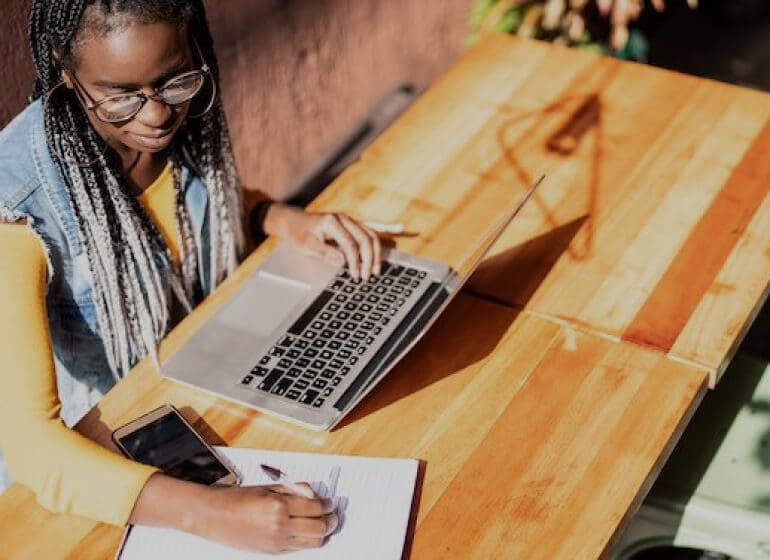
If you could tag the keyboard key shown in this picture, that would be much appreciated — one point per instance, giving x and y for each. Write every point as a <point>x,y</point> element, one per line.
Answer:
<point>264,361</point>
<point>319,343</point>
<point>368,341</point>
<point>422,274</point>
<point>365,308</point>
<point>310,334</point>
<point>308,397</point>
<point>333,307</point>
<point>318,325</point>
<point>259,371</point>
<point>310,374</point>
<point>327,354</point>
<point>277,351</point>
<point>353,360</point>
<point>293,353</point>
<point>293,394</point>
<point>344,371</point>
<point>319,384</point>
<point>365,289</point>
<point>319,364</point>
<point>405,280</point>
<point>340,298</point>
<point>350,306</point>
<point>287,341</point>
<point>318,402</point>
<point>336,285</point>
<point>395,270</point>
<point>415,284</point>
<point>328,391</point>
<point>358,297</point>
<point>282,386</point>
<point>310,353</point>
<point>381,289</point>
<point>388,281</point>
<point>349,289</point>
<point>247,380</point>
<point>360,335</point>
<point>411,272</point>
<point>335,325</point>
<point>344,354</point>
<point>343,335</point>
<point>343,315</point>
<point>373,299</point>
<point>334,344</point>
<point>350,326</point>
<point>302,363</point>
<point>284,363</point>
<point>407,292</point>
<point>367,325</point>
<point>301,344</point>
<point>358,317</point>
<point>376,316</point>
<point>352,344</point>
<point>270,380</point>
<point>327,334</point>
<point>328,373</point>
<point>301,384</point>
<point>336,381</point>
<point>361,349</point>
<point>293,372</point>
<point>336,364</point>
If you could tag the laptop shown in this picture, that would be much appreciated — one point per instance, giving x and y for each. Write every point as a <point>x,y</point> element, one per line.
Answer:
<point>304,341</point>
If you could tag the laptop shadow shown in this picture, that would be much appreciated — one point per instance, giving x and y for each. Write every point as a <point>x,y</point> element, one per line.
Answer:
<point>474,323</point>
<point>512,277</point>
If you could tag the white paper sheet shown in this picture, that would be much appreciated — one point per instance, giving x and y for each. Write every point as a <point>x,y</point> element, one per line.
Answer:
<point>374,501</point>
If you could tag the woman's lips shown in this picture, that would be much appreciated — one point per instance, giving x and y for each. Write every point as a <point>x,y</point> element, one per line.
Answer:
<point>155,141</point>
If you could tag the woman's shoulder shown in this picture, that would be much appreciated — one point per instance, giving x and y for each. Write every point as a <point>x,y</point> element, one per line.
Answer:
<point>18,172</point>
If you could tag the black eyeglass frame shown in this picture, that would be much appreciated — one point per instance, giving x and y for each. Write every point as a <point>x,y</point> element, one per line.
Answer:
<point>92,105</point>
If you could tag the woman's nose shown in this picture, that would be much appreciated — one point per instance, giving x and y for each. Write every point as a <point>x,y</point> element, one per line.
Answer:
<point>155,113</point>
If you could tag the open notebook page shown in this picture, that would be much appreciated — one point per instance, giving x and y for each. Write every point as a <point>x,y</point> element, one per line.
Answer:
<point>374,496</point>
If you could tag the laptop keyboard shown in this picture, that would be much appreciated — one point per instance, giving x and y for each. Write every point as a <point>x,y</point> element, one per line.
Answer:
<point>348,317</point>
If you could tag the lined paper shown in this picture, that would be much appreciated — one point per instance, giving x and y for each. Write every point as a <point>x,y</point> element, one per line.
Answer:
<point>374,498</point>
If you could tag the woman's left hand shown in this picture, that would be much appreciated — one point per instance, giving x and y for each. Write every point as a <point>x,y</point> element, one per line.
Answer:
<point>356,244</point>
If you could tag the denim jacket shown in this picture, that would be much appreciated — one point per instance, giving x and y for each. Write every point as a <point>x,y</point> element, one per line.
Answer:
<point>31,188</point>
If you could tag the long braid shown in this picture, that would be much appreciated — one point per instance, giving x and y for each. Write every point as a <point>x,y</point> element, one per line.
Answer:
<point>132,270</point>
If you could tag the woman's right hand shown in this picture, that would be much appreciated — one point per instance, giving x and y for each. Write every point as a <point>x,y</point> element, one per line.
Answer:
<point>265,518</point>
<point>256,518</point>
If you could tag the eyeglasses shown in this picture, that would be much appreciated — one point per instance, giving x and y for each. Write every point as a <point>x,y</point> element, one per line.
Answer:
<point>125,106</point>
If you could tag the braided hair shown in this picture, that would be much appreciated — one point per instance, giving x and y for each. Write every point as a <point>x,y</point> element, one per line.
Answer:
<point>133,273</point>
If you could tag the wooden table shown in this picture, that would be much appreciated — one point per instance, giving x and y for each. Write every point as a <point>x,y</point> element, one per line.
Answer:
<point>544,402</point>
<point>653,225</point>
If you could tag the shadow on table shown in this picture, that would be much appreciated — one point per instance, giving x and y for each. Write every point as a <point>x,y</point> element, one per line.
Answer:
<point>466,333</point>
<point>472,326</point>
<point>513,276</point>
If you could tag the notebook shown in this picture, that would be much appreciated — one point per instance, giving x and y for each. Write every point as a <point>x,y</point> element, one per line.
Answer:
<point>373,495</point>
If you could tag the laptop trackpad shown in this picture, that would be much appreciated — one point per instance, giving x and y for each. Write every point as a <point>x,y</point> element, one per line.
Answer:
<point>265,302</point>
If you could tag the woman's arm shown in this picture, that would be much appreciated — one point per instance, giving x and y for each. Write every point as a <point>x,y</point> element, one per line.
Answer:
<point>68,472</point>
<point>72,474</point>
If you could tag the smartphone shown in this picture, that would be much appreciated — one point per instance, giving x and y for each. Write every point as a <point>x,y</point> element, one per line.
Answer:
<point>164,439</point>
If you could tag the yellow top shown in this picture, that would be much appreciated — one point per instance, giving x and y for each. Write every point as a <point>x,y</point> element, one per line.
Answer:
<point>68,472</point>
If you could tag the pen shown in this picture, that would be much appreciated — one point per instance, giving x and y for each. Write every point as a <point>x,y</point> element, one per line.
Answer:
<point>277,476</point>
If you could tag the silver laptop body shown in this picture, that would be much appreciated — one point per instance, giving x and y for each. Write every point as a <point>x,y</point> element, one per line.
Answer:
<point>303,341</point>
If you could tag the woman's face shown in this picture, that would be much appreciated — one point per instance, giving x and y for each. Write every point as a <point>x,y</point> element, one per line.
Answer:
<point>134,57</point>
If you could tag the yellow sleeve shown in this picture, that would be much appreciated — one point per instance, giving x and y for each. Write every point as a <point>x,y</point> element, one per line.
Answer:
<point>68,472</point>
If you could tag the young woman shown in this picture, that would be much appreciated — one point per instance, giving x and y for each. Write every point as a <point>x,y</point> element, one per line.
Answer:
<point>121,209</point>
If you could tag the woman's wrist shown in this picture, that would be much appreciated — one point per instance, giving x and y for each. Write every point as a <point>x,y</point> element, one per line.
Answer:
<point>168,502</point>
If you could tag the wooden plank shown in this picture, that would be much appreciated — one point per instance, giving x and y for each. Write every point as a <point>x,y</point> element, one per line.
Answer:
<point>481,367</point>
<point>575,450</point>
<point>669,307</point>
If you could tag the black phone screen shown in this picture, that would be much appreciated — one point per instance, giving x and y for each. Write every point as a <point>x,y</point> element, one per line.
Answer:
<point>167,443</point>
